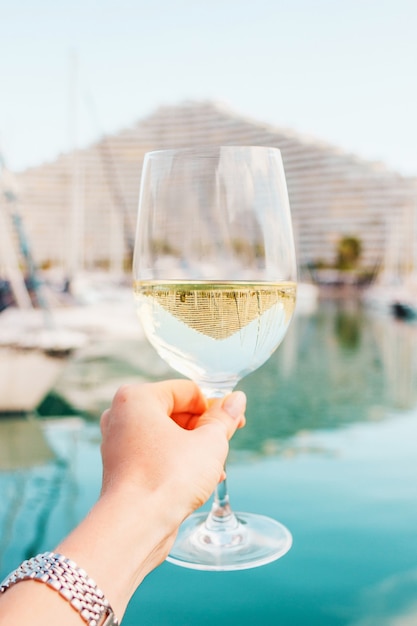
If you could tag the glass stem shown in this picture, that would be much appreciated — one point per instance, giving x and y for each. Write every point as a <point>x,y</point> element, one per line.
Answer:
<point>221,516</point>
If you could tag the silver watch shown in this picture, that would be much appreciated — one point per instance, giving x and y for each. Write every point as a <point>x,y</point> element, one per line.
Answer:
<point>71,582</point>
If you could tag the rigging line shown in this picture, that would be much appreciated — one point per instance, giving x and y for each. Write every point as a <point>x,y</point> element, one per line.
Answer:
<point>111,177</point>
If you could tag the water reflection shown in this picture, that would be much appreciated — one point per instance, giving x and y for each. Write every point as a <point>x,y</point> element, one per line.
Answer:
<point>347,328</point>
<point>32,475</point>
<point>338,366</point>
<point>392,602</point>
<point>22,444</point>
<point>397,342</point>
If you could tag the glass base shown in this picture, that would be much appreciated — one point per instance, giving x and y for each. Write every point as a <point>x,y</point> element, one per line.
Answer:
<point>252,541</point>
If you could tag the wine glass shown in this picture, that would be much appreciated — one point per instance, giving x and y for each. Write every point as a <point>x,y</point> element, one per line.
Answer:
<point>214,280</point>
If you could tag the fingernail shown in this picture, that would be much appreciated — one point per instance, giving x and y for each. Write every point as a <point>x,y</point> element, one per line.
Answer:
<point>235,404</point>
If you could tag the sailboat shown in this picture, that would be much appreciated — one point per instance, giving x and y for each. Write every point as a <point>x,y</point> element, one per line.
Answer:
<point>32,348</point>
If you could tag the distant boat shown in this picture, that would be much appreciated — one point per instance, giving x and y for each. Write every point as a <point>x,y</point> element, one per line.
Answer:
<point>25,379</point>
<point>31,358</point>
<point>404,311</point>
<point>397,300</point>
<point>307,298</point>
<point>32,349</point>
<point>395,290</point>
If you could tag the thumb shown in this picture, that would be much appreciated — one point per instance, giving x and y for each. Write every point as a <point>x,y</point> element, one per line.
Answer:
<point>228,412</point>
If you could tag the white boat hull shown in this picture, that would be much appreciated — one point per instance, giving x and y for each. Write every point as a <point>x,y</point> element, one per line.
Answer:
<point>26,376</point>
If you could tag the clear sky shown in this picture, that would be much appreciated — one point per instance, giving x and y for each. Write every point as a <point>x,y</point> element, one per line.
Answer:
<point>344,71</point>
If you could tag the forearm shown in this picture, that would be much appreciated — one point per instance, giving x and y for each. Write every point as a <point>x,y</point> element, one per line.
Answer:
<point>114,548</point>
<point>118,549</point>
<point>163,453</point>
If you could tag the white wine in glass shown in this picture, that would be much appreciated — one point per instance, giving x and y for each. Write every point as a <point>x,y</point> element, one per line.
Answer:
<point>215,287</point>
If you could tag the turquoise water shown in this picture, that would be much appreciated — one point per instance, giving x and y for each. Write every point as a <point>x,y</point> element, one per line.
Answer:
<point>330,449</point>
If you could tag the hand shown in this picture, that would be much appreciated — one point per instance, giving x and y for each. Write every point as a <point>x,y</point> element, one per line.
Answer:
<point>165,437</point>
<point>164,448</point>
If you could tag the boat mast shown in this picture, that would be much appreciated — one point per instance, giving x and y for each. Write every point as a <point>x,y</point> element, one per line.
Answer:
<point>9,261</point>
<point>76,240</point>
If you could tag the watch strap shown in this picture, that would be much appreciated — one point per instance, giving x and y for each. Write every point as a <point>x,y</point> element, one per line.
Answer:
<point>70,581</point>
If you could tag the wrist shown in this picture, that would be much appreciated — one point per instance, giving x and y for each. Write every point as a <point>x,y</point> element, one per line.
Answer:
<point>72,583</point>
<point>119,549</point>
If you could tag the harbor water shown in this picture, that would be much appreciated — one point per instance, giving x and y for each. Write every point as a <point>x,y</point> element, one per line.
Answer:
<point>330,450</point>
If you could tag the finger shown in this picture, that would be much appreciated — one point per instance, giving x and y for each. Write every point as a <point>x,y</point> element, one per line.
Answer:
<point>188,421</point>
<point>180,398</point>
<point>228,412</point>
<point>164,398</point>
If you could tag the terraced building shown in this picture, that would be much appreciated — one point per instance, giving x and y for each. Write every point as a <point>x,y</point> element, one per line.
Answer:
<point>79,210</point>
